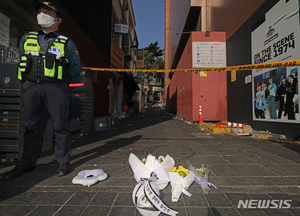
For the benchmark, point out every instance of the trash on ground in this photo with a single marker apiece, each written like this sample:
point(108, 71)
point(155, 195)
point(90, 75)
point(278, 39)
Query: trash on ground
point(9, 160)
point(282, 137)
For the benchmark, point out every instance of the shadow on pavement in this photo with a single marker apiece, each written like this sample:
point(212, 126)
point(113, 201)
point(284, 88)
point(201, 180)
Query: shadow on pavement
point(46, 167)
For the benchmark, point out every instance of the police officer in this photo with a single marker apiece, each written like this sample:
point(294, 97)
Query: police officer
point(48, 63)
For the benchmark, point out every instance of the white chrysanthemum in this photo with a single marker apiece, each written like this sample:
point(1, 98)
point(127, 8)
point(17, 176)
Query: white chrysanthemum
point(161, 158)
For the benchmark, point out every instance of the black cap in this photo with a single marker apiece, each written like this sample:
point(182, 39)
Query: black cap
point(37, 4)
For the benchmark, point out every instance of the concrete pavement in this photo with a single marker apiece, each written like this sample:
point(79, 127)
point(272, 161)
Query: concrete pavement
point(242, 167)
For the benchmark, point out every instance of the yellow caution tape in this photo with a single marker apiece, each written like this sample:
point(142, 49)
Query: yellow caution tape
point(230, 68)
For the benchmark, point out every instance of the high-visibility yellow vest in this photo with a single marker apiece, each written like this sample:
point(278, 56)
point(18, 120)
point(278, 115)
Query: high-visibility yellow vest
point(53, 66)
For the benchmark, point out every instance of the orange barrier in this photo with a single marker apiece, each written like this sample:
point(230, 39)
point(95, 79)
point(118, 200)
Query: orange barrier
point(229, 124)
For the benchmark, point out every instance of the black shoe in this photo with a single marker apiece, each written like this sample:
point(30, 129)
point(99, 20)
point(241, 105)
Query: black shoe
point(17, 171)
point(63, 169)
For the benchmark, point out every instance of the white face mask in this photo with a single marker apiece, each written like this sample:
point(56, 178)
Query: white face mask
point(45, 20)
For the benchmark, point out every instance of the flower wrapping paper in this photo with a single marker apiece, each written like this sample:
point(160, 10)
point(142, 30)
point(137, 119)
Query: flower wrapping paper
point(202, 181)
point(180, 184)
point(141, 170)
point(204, 186)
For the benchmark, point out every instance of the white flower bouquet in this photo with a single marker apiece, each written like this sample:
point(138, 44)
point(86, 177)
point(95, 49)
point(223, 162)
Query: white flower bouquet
point(201, 177)
point(143, 170)
point(181, 180)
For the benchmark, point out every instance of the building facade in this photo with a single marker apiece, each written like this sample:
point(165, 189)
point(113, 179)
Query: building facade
point(256, 32)
point(123, 55)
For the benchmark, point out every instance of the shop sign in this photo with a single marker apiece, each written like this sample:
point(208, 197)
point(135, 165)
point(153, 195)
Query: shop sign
point(121, 28)
point(116, 55)
point(140, 58)
point(140, 77)
point(208, 54)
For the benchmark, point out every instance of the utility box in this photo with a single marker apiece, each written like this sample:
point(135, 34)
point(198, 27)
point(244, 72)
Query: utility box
point(103, 123)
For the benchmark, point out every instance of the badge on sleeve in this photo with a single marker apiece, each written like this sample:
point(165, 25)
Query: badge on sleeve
point(76, 51)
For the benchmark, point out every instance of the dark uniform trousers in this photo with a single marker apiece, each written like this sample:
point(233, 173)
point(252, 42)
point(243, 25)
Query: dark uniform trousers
point(40, 99)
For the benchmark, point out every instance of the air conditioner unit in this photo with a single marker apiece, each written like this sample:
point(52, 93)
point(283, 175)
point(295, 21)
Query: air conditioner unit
point(126, 46)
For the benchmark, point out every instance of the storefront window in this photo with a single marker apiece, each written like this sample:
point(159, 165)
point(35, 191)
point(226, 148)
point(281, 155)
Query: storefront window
point(17, 17)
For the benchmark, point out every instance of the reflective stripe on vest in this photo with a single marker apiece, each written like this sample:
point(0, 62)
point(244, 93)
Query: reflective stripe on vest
point(31, 44)
point(22, 66)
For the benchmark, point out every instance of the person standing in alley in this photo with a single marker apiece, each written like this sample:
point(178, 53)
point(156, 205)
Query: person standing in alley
point(49, 61)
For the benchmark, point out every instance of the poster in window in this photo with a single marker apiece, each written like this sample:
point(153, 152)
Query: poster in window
point(276, 37)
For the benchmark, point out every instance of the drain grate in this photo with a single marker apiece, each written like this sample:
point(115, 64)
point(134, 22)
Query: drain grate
point(176, 152)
